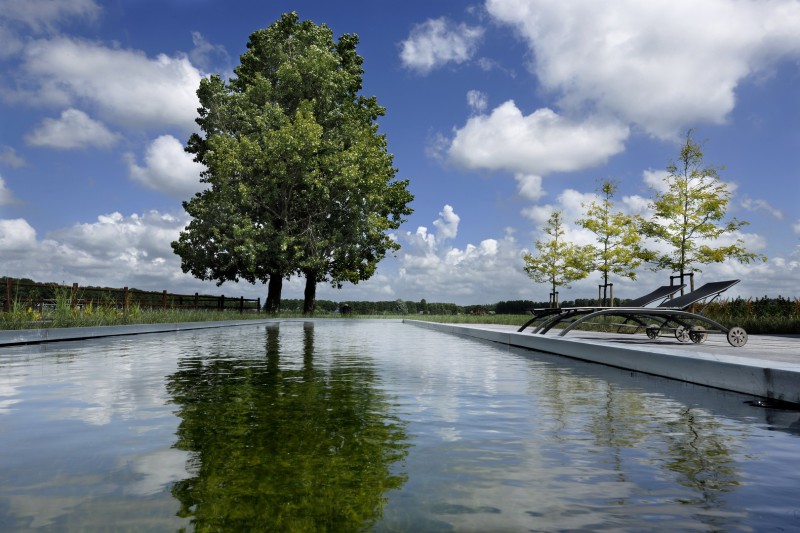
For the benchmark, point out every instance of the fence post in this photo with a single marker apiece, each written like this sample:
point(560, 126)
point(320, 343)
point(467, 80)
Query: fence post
point(241, 305)
point(222, 303)
point(125, 301)
point(258, 305)
point(74, 297)
point(196, 299)
point(7, 302)
point(164, 299)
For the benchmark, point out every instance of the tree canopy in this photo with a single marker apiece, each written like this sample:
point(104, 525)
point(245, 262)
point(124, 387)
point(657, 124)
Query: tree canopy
point(558, 262)
point(618, 250)
point(300, 181)
point(689, 212)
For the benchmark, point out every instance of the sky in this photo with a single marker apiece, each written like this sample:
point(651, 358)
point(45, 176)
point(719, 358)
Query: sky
point(498, 113)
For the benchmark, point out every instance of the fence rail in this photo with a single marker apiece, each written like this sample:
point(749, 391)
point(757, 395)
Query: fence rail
point(40, 296)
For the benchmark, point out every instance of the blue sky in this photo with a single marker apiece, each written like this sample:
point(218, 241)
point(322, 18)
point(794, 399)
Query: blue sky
point(497, 112)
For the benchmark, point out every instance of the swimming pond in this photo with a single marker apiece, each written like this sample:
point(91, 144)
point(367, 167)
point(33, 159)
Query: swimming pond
point(374, 425)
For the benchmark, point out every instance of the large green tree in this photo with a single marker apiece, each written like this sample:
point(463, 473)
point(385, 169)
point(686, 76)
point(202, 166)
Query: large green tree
point(618, 250)
point(300, 180)
point(689, 215)
point(558, 262)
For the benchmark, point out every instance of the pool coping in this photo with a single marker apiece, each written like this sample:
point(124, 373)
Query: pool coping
point(15, 337)
point(761, 374)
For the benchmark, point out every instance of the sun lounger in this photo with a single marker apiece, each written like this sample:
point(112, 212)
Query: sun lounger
point(671, 315)
point(564, 313)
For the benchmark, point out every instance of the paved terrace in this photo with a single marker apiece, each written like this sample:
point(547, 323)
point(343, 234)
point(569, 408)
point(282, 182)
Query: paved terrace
point(767, 366)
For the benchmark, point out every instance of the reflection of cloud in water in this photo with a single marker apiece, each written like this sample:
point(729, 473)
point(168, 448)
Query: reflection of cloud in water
point(8, 391)
point(119, 378)
point(158, 470)
point(41, 511)
point(456, 382)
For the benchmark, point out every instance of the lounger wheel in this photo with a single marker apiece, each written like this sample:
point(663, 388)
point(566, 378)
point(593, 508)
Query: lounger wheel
point(653, 331)
point(737, 336)
point(682, 334)
point(698, 334)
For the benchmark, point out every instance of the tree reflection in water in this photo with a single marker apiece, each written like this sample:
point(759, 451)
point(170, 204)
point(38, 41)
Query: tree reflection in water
point(282, 444)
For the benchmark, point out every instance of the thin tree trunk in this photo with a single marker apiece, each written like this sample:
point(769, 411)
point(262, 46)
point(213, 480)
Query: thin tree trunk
point(310, 302)
point(273, 303)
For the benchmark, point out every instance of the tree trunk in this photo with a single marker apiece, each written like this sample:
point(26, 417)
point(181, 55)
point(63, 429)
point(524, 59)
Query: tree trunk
point(310, 302)
point(273, 303)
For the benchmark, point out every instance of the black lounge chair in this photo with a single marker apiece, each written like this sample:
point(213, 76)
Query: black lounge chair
point(559, 314)
point(671, 315)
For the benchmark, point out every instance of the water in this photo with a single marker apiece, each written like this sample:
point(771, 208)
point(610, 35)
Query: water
point(377, 426)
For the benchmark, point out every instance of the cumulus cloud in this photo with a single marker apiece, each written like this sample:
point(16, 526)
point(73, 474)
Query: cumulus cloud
point(16, 235)
point(540, 143)
point(114, 251)
point(436, 42)
point(530, 186)
point(447, 224)
point(430, 268)
point(74, 129)
point(168, 168)
point(662, 65)
point(124, 87)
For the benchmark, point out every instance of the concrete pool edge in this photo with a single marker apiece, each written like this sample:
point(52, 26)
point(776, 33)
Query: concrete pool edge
point(777, 380)
point(43, 335)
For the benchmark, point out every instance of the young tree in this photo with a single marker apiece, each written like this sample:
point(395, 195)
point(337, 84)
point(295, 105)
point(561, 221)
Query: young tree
point(559, 262)
point(688, 215)
point(290, 150)
point(618, 251)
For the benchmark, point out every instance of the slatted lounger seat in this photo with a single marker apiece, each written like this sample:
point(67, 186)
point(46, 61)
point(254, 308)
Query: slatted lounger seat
point(560, 314)
point(671, 315)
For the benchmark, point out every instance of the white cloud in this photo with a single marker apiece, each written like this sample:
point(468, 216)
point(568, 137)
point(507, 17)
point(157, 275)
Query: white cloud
point(477, 101)
point(9, 156)
point(752, 204)
point(530, 186)
point(476, 273)
point(664, 64)
point(447, 224)
point(436, 42)
point(168, 168)
point(16, 235)
point(74, 129)
point(42, 15)
point(207, 55)
point(114, 251)
point(655, 179)
point(6, 198)
point(540, 143)
point(124, 87)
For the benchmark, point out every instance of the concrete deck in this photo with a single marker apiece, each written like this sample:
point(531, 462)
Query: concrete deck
point(767, 366)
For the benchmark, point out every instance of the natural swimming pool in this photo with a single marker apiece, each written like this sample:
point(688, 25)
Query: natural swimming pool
point(376, 425)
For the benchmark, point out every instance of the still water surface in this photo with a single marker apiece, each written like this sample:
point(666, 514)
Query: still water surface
point(378, 426)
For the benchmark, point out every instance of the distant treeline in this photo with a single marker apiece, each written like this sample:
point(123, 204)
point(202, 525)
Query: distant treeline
point(764, 307)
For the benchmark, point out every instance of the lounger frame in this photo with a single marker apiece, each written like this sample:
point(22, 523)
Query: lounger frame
point(670, 315)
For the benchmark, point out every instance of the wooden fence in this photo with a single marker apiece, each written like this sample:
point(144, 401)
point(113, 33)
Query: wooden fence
point(40, 296)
